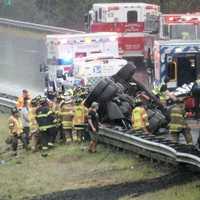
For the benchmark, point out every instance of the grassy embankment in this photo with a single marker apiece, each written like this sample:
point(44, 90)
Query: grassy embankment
point(69, 167)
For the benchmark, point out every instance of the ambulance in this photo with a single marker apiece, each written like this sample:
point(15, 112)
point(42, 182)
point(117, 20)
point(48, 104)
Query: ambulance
point(177, 53)
point(136, 23)
point(65, 53)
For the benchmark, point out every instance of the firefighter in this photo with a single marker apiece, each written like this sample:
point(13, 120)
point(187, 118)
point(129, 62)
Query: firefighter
point(93, 126)
point(20, 100)
point(140, 117)
point(15, 129)
point(53, 130)
point(45, 120)
point(79, 119)
point(178, 124)
point(67, 115)
point(34, 128)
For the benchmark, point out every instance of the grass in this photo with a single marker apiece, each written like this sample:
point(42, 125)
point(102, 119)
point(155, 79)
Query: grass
point(189, 191)
point(72, 167)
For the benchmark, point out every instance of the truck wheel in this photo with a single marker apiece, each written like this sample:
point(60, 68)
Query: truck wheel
point(109, 92)
point(98, 89)
point(126, 72)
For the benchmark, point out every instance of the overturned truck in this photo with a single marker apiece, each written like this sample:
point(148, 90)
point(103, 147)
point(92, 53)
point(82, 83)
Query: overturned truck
point(116, 97)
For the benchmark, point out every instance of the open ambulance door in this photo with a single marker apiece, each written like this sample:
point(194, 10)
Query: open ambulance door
point(198, 63)
point(172, 72)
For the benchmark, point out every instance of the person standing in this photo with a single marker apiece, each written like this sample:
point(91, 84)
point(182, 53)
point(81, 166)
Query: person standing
point(140, 118)
point(20, 100)
point(25, 122)
point(34, 129)
point(67, 115)
point(45, 120)
point(15, 129)
point(178, 124)
point(93, 126)
point(79, 120)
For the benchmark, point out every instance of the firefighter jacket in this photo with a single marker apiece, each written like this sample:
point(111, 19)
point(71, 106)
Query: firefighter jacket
point(45, 118)
point(15, 126)
point(33, 122)
point(67, 115)
point(80, 114)
point(177, 121)
point(139, 118)
point(20, 101)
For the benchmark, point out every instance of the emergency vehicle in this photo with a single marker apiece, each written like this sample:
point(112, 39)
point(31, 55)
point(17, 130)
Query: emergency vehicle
point(64, 52)
point(136, 23)
point(178, 60)
point(177, 56)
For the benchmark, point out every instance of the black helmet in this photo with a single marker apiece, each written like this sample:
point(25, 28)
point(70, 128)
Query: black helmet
point(14, 110)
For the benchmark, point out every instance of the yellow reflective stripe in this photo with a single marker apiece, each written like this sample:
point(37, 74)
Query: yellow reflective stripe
point(176, 115)
point(44, 115)
point(44, 128)
point(66, 113)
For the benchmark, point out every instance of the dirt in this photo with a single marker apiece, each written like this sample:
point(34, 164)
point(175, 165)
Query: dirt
point(116, 191)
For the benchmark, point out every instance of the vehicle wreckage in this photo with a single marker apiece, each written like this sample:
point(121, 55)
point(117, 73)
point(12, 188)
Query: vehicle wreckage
point(116, 96)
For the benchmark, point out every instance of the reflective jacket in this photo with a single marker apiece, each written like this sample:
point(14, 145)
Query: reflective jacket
point(33, 122)
point(66, 115)
point(15, 126)
point(20, 101)
point(80, 114)
point(45, 118)
point(177, 121)
point(139, 118)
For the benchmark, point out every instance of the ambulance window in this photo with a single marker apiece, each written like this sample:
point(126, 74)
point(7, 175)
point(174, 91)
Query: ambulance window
point(172, 70)
point(100, 14)
point(132, 16)
point(96, 16)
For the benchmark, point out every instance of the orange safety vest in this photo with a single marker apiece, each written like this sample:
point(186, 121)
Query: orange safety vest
point(139, 118)
point(20, 101)
point(15, 126)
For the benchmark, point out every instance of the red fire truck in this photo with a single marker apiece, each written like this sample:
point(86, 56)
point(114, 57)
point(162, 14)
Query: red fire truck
point(180, 26)
point(136, 23)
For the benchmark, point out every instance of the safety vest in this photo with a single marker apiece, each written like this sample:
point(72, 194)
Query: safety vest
point(139, 118)
point(177, 121)
point(79, 117)
point(45, 118)
point(33, 122)
point(67, 114)
point(15, 126)
point(20, 101)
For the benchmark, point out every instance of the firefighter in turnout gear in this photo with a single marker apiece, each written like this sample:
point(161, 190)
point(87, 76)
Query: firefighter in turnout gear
point(67, 115)
point(140, 117)
point(34, 129)
point(80, 114)
point(45, 119)
point(15, 129)
point(178, 124)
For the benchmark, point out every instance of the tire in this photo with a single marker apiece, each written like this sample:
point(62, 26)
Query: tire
point(98, 89)
point(114, 111)
point(108, 93)
point(126, 72)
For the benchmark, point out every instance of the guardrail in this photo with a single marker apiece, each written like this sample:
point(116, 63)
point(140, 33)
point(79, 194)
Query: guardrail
point(39, 27)
point(7, 101)
point(152, 146)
